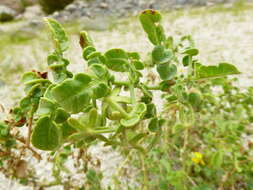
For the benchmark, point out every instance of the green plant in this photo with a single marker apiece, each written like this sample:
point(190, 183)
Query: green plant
point(50, 6)
point(193, 142)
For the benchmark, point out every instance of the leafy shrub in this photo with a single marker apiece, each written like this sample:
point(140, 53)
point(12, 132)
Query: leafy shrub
point(49, 6)
point(193, 143)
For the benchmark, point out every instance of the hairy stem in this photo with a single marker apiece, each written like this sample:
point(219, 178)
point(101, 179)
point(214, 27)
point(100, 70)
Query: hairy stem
point(117, 107)
point(121, 83)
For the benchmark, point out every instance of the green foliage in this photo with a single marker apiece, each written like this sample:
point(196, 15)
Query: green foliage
point(222, 69)
point(46, 135)
point(59, 35)
point(73, 94)
point(193, 142)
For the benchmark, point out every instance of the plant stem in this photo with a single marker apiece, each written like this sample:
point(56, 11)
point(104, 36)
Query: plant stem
point(132, 94)
point(29, 131)
point(121, 83)
point(144, 171)
point(156, 87)
point(116, 106)
point(36, 155)
point(104, 131)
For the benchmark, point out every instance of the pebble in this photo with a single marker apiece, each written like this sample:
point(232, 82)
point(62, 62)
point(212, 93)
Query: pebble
point(118, 8)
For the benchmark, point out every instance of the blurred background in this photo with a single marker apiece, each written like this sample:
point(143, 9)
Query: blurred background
point(222, 29)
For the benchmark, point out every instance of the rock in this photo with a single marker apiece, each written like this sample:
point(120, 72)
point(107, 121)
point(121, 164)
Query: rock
point(99, 23)
point(33, 12)
point(71, 8)
point(117, 8)
point(6, 13)
point(36, 24)
point(13, 4)
point(103, 5)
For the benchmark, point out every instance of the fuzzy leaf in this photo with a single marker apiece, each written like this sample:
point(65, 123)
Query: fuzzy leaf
point(87, 51)
point(223, 69)
point(161, 55)
point(153, 125)
point(59, 35)
point(131, 121)
point(61, 115)
point(46, 106)
point(85, 39)
point(150, 20)
point(66, 130)
point(116, 60)
point(100, 71)
point(186, 60)
point(191, 51)
point(167, 71)
point(46, 135)
point(194, 99)
point(99, 89)
point(135, 115)
point(138, 65)
point(73, 94)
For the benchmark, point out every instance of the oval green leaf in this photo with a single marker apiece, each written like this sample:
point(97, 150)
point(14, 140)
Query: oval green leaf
point(46, 136)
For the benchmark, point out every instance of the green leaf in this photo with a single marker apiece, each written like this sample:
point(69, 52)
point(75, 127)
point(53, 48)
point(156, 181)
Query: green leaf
point(167, 71)
point(59, 35)
point(87, 51)
point(73, 94)
point(153, 125)
point(46, 106)
point(223, 69)
point(58, 66)
point(4, 130)
point(135, 139)
point(29, 76)
point(161, 55)
point(67, 130)
point(136, 115)
point(100, 71)
point(191, 51)
point(194, 99)
point(85, 39)
point(131, 121)
point(46, 135)
point(216, 160)
point(138, 65)
point(186, 60)
point(61, 115)
point(150, 20)
point(151, 111)
point(116, 60)
point(99, 89)
point(95, 54)
point(134, 55)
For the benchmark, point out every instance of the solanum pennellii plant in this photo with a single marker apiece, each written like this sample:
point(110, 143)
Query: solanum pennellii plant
point(194, 143)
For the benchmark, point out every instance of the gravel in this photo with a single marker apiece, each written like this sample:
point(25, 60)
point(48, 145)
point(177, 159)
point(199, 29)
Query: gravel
point(119, 8)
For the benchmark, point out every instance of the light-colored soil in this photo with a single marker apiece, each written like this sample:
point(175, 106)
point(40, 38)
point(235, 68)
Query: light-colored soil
point(220, 36)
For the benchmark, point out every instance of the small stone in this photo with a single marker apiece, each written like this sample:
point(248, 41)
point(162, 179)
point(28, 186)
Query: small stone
point(6, 14)
point(71, 8)
point(103, 5)
point(32, 12)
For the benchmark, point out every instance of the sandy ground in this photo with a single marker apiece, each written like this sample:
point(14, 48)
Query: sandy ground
point(220, 36)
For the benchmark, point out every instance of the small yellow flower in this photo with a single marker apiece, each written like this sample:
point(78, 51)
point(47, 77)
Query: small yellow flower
point(198, 158)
